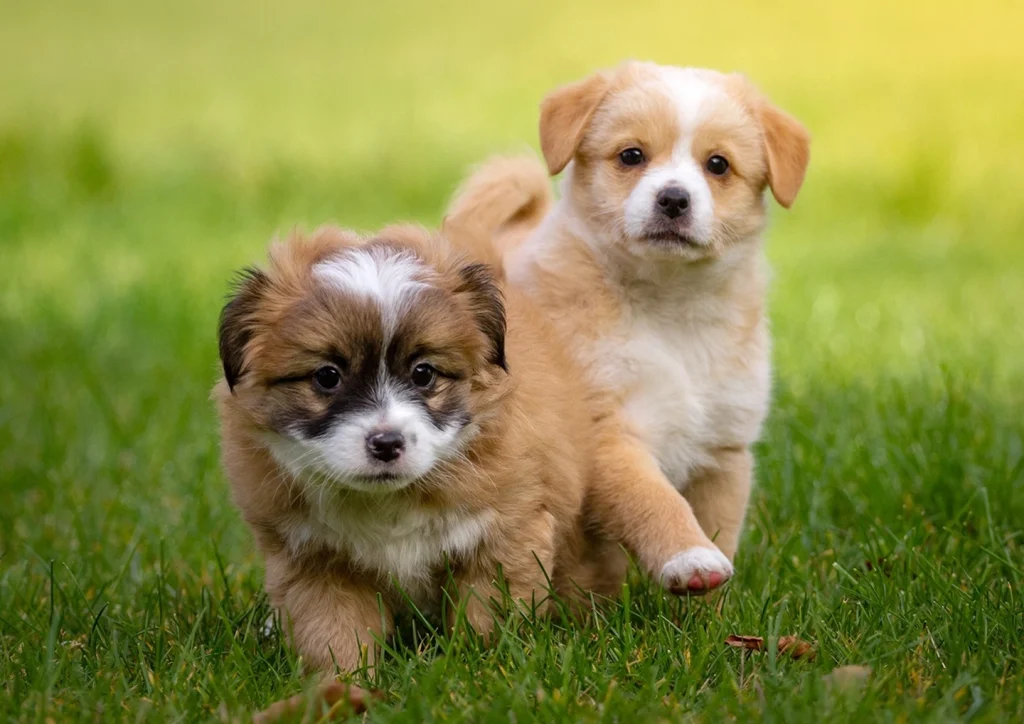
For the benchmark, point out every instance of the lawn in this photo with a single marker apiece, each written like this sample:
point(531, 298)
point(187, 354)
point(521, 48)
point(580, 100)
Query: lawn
point(148, 149)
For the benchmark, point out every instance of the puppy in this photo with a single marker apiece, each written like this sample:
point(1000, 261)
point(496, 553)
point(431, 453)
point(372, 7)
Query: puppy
point(651, 265)
point(379, 447)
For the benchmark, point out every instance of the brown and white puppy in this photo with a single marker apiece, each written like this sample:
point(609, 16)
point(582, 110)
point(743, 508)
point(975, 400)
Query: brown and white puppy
point(375, 439)
point(651, 265)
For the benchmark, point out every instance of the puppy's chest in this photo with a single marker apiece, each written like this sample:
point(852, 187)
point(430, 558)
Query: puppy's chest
point(686, 388)
point(407, 545)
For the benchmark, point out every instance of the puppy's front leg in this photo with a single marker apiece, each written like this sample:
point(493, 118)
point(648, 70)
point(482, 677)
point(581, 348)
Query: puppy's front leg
point(526, 563)
point(636, 505)
point(329, 618)
point(719, 497)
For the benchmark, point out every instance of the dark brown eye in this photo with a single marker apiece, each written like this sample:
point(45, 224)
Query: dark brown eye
point(423, 375)
point(717, 165)
point(632, 157)
point(327, 378)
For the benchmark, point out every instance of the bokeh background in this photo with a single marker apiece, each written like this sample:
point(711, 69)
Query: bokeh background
point(148, 149)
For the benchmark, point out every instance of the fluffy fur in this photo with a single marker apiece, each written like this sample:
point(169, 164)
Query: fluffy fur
point(651, 266)
point(496, 447)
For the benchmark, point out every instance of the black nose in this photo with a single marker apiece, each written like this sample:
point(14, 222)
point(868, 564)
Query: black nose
point(673, 201)
point(385, 446)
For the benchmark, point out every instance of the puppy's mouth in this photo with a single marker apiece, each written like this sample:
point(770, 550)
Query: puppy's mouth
point(381, 480)
point(679, 236)
point(381, 477)
point(669, 237)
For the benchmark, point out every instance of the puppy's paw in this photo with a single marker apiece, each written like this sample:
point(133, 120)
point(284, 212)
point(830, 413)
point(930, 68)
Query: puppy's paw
point(696, 571)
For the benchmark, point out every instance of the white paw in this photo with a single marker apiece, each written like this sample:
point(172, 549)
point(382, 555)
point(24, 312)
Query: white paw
point(706, 566)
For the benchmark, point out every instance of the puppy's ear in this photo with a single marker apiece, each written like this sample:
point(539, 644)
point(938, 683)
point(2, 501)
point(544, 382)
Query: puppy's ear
point(788, 146)
point(564, 115)
point(236, 322)
point(486, 302)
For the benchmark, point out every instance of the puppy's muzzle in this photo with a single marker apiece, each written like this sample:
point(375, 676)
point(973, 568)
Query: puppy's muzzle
point(385, 445)
point(673, 201)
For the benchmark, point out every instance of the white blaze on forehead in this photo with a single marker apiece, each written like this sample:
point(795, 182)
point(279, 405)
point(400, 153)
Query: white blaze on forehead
point(389, 278)
point(694, 93)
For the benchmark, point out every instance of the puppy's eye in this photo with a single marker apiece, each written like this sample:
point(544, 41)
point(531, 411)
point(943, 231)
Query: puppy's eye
point(717, 165)
point(632, 157)
point(327, 378)
point(423, 375)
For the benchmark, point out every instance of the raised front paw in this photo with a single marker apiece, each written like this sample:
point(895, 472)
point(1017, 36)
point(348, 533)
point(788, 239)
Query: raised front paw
point(696, 571)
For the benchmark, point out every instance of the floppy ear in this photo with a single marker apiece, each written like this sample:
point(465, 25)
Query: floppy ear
point(488, 306)
point(788, 146)
point(236, 323)
point(564, 115)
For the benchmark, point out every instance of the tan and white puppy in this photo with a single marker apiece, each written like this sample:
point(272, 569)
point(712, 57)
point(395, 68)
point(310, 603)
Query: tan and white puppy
point(651, 265)
point(375, 439)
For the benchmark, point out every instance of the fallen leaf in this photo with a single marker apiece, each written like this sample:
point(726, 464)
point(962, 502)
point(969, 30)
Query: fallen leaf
point(340, 699)
point(796, 648)
point(847, 678)
point(752, 643)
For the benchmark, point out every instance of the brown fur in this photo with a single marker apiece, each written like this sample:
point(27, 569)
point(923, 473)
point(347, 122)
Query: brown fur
point(564, 116)
point(517, 195)
point(528, 464)
point(788, 147)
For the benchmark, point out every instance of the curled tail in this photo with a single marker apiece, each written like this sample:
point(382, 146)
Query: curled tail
point(498, 206)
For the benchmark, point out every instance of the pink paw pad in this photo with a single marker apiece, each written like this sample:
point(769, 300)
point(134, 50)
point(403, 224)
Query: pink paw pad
point(715, 579)
point(696, 571)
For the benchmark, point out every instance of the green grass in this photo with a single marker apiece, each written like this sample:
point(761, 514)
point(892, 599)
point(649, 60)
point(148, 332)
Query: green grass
point(146, 152)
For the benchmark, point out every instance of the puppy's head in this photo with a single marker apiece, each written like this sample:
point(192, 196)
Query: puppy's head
point(672, 160)
point(364, 363)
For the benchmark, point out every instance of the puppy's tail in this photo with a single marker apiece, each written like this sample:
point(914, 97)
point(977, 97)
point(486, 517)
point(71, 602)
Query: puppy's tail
point(498, 206)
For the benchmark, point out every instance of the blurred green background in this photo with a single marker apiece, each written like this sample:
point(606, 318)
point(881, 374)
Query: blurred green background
point(148, 149)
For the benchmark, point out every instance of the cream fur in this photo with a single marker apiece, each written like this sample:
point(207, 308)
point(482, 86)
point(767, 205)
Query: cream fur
point(673, 336)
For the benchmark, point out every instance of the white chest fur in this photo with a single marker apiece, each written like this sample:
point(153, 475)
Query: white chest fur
point(686, 383)
point(407, 544)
